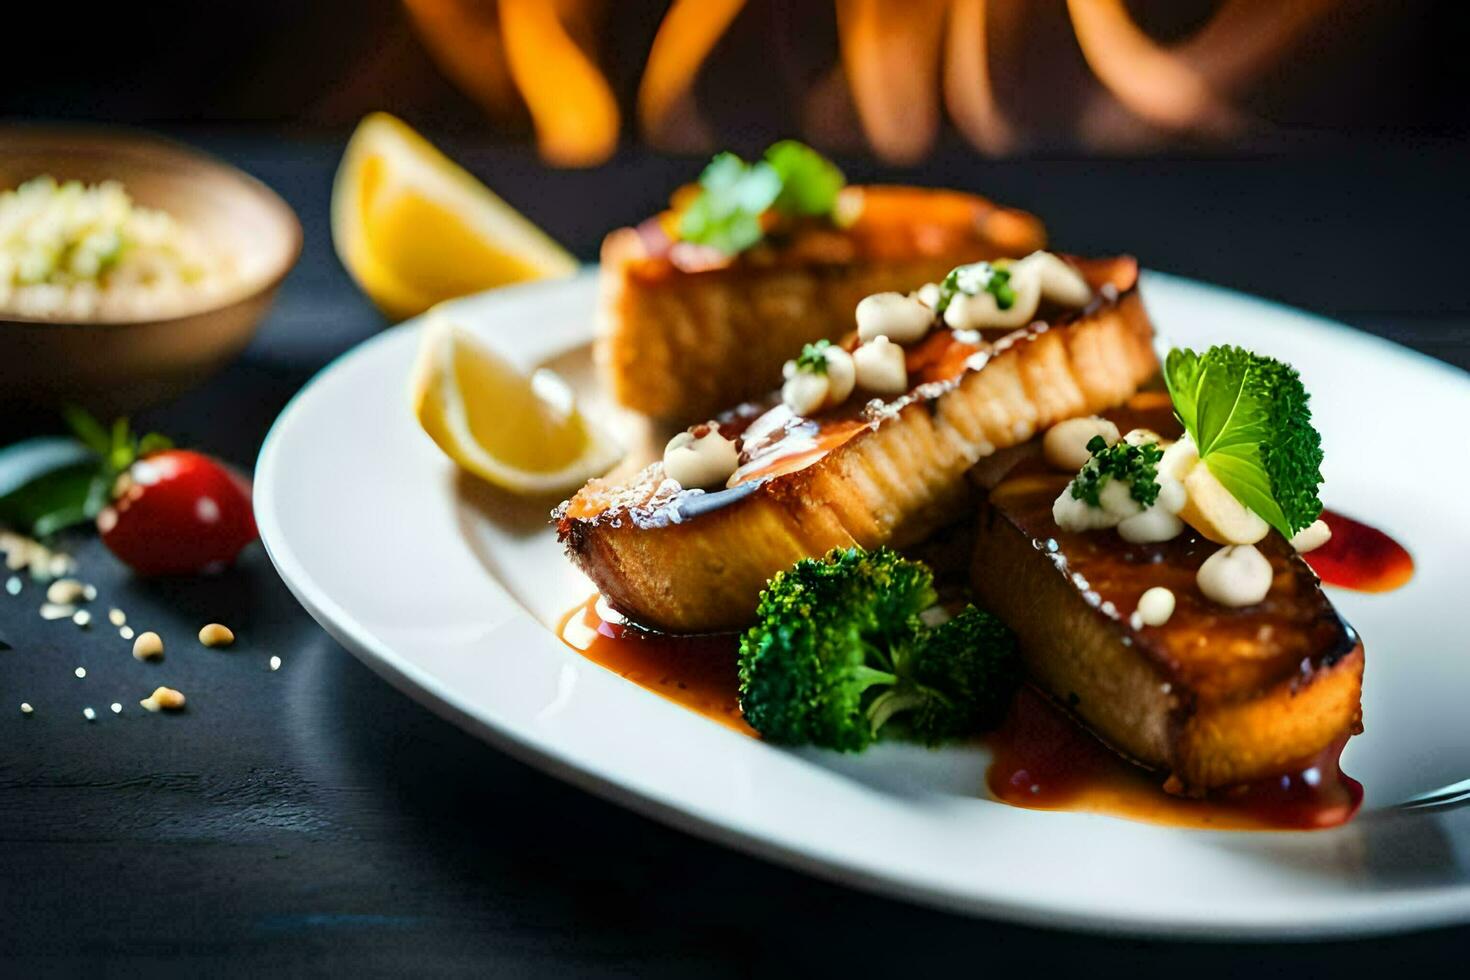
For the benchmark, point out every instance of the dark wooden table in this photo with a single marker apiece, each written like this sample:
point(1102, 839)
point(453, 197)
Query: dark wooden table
point(317, 820)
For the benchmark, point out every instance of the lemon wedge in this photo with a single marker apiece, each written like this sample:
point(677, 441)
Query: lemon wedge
point(414, 228)
point(521, 432)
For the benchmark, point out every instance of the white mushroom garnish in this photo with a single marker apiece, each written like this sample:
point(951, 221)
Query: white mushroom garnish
point(1060, 282)
point(880, 367)
point(701, 458)
point(804, 392)
point(982, 309)
point(1065, 444)
point(823, 376)
point(902, 319)
point(841, 374)
point(1155, 606)
point(1311, 537)
point(1236, 575)
point(1006, 295)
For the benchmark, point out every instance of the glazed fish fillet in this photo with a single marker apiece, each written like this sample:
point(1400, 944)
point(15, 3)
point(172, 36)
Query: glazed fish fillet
point(1216, 696)
point(681, 337)
point(870, 475)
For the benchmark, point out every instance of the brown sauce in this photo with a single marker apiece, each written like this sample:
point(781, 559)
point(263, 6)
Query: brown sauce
point(1041, 759)
point(696, 672)
point(1360, 557)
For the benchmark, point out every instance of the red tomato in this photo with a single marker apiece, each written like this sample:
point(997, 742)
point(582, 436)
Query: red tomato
point(178, 512)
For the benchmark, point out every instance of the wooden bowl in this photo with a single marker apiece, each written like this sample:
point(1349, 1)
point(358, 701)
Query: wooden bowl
point(117, 365)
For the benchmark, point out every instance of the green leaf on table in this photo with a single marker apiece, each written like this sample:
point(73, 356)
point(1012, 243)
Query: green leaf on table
point(48, 483)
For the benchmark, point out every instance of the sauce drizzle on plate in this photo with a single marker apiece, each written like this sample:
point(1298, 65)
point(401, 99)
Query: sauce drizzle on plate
point(696, 672)
point(1360, 557)
point(1041, 759)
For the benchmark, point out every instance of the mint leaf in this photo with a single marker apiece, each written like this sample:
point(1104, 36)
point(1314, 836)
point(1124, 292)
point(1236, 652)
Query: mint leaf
point(793, 180)
point(809, 181)
point(1249, 417)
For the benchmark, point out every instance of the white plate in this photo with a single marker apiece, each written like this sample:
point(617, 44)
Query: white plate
point(452, 592)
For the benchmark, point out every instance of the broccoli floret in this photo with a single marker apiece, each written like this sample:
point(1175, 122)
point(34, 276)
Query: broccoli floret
point(839, 651)
point(966, 670)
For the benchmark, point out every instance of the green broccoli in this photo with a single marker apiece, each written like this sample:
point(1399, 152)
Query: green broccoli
point(839, 651)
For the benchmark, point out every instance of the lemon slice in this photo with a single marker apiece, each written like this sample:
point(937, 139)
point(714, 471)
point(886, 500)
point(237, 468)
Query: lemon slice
point(413, 228)
point(522, 433)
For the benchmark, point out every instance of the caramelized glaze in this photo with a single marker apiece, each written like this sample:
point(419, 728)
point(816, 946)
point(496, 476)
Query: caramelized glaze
point(894, 224)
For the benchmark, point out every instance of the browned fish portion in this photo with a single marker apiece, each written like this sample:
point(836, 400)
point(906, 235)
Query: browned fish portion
point(684, 334)
point(1214, 697)
point(687, 561)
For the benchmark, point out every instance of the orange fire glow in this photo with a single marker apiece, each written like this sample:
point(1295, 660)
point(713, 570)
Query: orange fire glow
point(898, 58)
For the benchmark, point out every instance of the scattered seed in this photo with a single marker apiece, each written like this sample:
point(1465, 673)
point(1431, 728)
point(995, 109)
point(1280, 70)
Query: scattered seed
point(215, 635)
point(64, 591)
point(82, 618)
point(148, 646)
point(80, 672)
point(126, 632)
point(89, 714)
point(116, 708)
point(51, 610)
point(57, 565)
point(25, 708)
point(13, 585)
point(163, 699)
point(275, 663)
point(116, 617)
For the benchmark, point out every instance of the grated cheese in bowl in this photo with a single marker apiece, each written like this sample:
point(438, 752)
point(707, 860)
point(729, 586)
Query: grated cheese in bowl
point(72, 251)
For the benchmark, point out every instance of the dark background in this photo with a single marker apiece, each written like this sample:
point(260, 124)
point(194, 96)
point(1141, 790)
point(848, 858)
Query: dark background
point(314, 819)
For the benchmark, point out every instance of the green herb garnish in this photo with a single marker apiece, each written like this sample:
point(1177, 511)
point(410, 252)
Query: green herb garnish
point(813, 357)
point(974, 279)
point(1138, 466)
point(1248, 416)
point(792, 180)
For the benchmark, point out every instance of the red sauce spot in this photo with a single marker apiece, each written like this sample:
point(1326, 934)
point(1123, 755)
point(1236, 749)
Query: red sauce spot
point(697, 672)
point(1044, 761)
point(1360, 557)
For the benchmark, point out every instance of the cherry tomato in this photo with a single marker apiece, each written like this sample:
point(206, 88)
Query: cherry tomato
point(178, 512)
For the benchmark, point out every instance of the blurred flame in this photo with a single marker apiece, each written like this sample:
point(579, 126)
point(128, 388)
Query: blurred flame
point(890, 49)
point(967, 86)
point(897, 57)
point(688, 32)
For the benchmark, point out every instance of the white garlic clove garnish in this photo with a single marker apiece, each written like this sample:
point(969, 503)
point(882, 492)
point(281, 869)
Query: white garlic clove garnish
point(1311, 537)
point(805, 392)
point(1059, 282)
point(1065, 444)
point(701, 458)
point(982, 310)
point(1236, 575)
point(880, 367)
point(841, 375)
point(902, 319)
